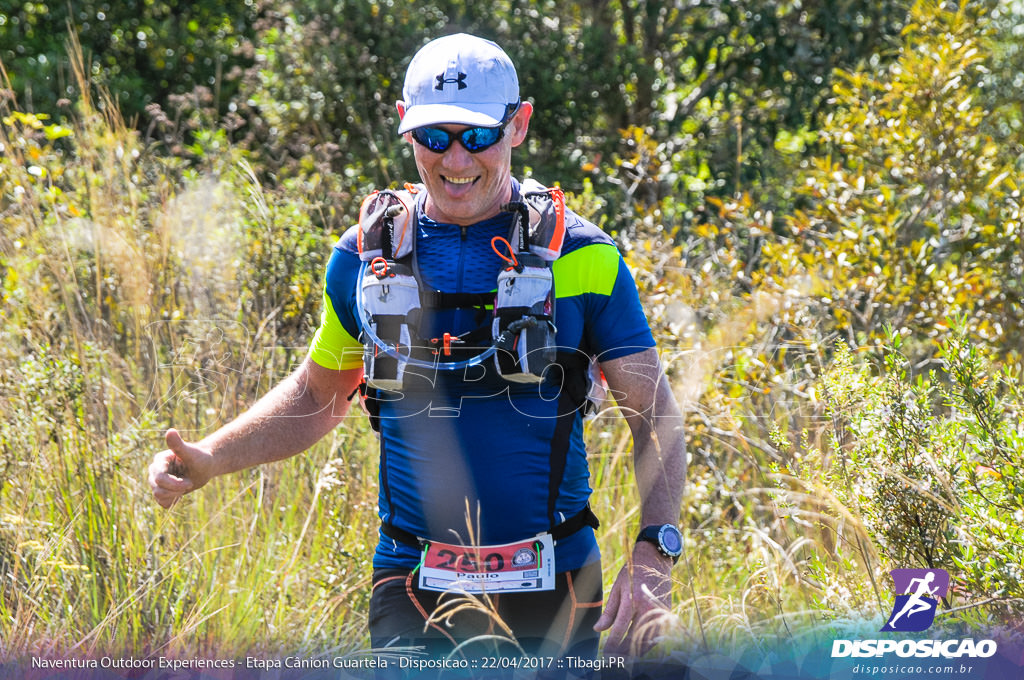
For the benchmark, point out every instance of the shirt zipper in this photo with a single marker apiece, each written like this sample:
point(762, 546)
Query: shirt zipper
point(463, 237)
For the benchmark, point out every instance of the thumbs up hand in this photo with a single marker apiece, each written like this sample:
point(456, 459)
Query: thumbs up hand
point(178, 470)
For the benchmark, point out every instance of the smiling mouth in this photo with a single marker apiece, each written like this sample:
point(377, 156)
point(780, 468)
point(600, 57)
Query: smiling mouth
point(459, 180)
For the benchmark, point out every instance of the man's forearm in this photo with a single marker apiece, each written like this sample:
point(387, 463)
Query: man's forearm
point(660, 458)
point(646, 401)
point(289, 419)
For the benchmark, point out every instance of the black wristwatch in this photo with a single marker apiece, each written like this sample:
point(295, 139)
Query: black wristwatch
point(667, 539)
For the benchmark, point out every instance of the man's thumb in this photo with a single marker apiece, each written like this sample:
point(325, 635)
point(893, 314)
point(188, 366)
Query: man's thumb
point(179, 448)
point(611, 608)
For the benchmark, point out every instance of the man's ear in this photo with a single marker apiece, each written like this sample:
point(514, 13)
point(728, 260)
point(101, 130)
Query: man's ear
point(520, 123)
point(400, 105)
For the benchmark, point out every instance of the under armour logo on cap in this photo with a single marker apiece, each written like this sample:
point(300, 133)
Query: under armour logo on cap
point(441, 81)
point(485, 81)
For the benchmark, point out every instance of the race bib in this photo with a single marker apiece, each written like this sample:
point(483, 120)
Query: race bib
point(523, 566)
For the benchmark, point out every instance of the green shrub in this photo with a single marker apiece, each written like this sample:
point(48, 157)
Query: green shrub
point(927, 465)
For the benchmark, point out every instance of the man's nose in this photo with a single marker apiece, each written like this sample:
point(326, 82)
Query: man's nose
point(456, 156)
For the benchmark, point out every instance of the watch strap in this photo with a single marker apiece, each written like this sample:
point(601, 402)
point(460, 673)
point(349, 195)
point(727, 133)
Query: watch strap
point(652, 534)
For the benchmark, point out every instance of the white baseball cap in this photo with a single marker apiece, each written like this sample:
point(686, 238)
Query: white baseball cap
point(459, 79)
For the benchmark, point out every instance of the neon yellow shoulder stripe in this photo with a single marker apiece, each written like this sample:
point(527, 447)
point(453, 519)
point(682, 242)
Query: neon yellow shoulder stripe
point(591, 269)
point(332, 346)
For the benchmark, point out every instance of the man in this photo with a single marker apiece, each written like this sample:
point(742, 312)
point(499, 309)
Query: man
point(482, 474)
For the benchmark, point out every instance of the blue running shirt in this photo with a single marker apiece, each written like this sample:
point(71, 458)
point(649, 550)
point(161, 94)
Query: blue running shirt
point(466, 447)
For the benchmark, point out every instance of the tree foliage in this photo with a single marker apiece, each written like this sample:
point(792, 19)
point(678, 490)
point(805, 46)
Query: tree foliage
point(310, 85)
point(913, 213)
point(141, 51)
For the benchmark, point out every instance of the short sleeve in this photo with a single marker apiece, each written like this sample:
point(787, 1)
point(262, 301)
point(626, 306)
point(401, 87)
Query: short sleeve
point(614, 323)
point(335, 344)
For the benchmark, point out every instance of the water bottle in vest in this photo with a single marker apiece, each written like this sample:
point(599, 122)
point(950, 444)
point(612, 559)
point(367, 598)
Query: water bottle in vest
point(522, 326)
point(391, 298)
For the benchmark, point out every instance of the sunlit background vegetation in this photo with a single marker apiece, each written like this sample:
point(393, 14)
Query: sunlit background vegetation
point(820, 202)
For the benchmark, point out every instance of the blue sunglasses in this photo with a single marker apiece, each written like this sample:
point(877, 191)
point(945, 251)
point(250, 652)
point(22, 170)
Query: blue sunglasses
point(473, 140)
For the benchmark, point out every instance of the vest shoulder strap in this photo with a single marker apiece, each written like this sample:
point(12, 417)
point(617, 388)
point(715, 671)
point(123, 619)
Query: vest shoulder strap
point(387, 223)
point(546, 209)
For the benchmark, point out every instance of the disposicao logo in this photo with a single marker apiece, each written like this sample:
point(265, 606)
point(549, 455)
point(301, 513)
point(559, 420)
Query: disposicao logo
point(918, 594)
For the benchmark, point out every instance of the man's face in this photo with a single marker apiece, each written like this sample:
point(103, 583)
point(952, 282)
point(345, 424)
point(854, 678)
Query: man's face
point(462, 187)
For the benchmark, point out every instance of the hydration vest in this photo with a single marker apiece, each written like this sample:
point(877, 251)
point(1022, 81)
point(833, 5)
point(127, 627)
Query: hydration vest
point(520, 338)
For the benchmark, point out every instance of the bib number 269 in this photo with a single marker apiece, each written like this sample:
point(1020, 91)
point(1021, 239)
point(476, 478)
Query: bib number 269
point(523, 566)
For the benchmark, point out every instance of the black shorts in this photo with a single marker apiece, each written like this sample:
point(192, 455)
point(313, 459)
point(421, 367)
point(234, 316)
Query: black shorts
point(557, 622)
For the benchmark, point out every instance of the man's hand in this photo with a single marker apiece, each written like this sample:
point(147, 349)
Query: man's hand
point(178, 470)
point(641, 593)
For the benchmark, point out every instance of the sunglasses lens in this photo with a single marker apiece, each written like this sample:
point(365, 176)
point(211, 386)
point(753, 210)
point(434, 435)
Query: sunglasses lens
point(474, 139)
point(435, 139)
point(479, 138)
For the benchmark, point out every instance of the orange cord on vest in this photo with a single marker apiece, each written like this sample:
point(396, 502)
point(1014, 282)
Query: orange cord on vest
point(379, 266)
point(511, 258)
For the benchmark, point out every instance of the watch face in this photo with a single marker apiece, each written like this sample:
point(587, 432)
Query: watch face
point(670, 540)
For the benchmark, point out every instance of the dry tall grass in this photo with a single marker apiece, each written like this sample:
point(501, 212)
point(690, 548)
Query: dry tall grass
point(122, 313)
